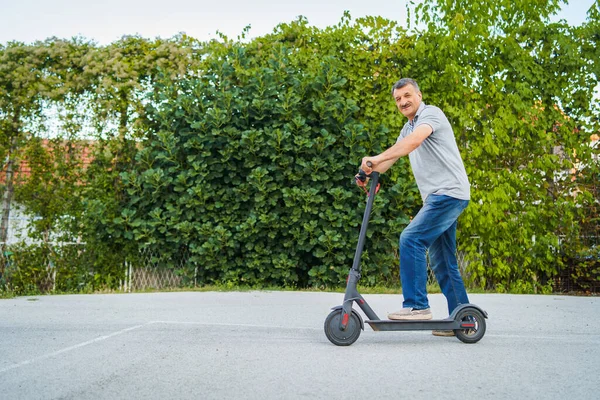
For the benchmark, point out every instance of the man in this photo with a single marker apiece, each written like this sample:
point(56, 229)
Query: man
point(427, 138)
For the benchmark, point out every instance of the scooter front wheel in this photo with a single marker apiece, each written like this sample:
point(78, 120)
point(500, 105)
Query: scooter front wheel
point(340, 337)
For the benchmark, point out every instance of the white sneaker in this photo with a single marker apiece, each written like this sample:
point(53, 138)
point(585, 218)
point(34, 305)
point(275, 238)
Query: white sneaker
point(411, 314)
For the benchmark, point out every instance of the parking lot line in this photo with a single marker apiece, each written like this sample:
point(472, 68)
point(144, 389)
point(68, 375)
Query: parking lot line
point(70, 348)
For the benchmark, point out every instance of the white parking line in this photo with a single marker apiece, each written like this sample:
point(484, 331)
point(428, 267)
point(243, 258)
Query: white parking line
point(101, 338)
point(235, 325)
point(67, 349)
point(574, 338)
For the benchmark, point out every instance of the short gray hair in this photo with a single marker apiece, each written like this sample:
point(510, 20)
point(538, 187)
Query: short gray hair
point(403, 82)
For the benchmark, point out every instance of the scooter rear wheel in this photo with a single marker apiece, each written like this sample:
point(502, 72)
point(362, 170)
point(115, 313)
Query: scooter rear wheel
point(338, 336)
point(474, 334)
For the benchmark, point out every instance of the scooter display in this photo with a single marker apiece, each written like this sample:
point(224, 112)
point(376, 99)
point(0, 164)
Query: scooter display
point(344, 324)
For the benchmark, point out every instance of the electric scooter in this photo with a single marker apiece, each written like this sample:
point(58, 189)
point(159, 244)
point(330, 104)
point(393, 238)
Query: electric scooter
point(344, 324)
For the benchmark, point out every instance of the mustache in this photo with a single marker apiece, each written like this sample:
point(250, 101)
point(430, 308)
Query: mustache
point(406, 105)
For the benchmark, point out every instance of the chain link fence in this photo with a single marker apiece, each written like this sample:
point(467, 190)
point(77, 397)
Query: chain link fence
point(581, 271)
point(67, 267)
point(149, 273)
point(71, 267)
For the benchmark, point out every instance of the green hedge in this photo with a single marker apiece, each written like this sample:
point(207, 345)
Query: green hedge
point(249, 162)
point(241, 153)
point(250, 166)
point(38, 268)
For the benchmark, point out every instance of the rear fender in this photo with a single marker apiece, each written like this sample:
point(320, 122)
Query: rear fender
point(466, 306)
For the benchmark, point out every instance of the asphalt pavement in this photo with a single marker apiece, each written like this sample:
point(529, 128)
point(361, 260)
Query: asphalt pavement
point(271, 345)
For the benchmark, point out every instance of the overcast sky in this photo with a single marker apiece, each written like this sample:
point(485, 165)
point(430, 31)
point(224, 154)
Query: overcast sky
point(106, 21)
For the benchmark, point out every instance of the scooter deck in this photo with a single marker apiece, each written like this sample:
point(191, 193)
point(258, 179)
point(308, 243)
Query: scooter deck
point(418, 325)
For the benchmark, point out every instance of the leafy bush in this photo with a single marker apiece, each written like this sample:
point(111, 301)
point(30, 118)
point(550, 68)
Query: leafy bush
point(33, 269)
point(250, 166)
point(232, 161)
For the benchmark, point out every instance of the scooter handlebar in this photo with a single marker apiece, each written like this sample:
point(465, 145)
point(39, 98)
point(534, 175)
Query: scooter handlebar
point(363, 176)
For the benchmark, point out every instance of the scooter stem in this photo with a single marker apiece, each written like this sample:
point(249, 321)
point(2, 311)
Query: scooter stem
point(351, 293)
point(365, 222)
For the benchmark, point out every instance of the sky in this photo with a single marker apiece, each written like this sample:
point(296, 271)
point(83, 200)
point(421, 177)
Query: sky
point(108, 20)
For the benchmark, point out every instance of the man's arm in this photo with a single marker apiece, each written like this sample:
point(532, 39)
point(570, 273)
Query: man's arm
point(404, 146)
point(384, 166)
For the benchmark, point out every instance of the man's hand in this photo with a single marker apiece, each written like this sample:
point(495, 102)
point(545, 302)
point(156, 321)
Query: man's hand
point(368, 164)
point(359, 180)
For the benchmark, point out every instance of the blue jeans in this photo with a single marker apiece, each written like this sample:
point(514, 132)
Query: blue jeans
point(433, 228)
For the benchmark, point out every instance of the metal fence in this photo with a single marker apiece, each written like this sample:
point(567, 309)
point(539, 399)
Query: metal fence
point(51, 273)
point(147, 273)
point(48, 269)
point(52, 268)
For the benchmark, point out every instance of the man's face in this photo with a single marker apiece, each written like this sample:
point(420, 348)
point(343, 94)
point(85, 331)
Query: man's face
point(408, 100)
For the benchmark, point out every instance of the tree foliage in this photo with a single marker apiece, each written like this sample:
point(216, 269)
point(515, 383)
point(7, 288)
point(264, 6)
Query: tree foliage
point(525, 104)
point(239, 154)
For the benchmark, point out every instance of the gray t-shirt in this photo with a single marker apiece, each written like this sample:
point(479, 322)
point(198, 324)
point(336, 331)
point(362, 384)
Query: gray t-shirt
point(436, 163)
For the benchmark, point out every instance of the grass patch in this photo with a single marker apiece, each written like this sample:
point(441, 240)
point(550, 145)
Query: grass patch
point(378, 289)
point(5, 294)
point(395, 289)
